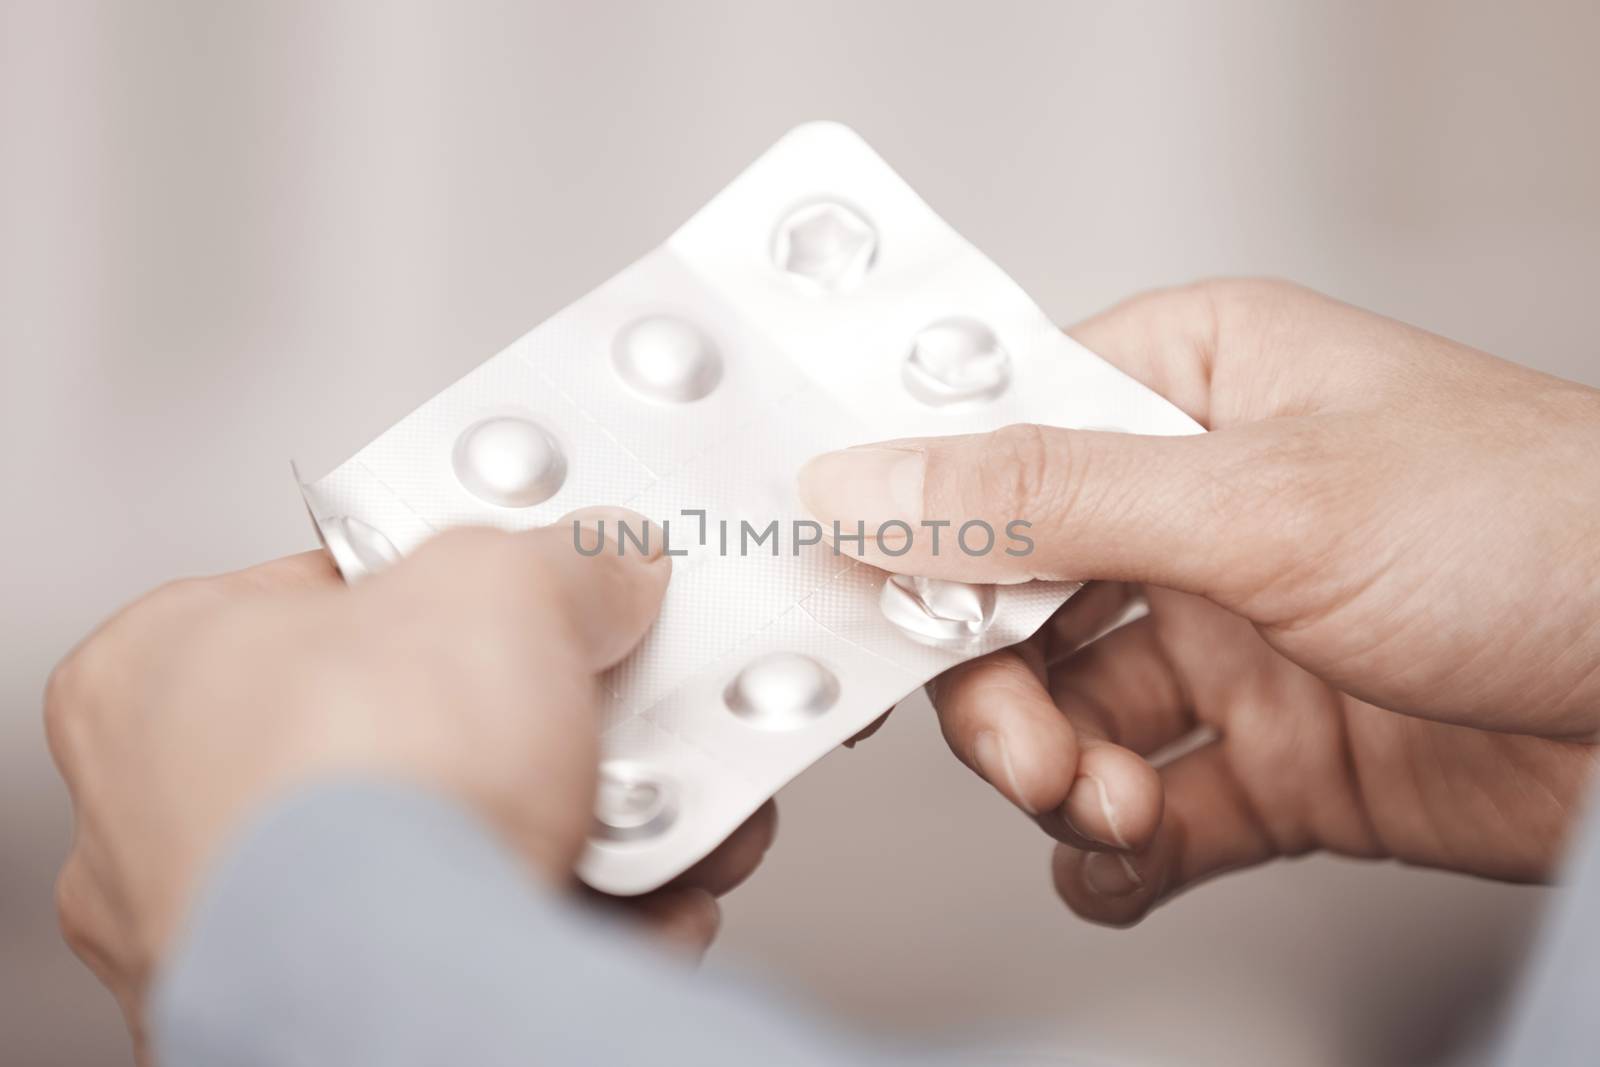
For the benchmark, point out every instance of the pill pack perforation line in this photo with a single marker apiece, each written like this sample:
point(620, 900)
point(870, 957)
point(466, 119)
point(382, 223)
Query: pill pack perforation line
point(390, 489)
point(816, 302)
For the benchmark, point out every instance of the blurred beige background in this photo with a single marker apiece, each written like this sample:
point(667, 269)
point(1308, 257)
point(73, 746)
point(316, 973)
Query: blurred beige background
point(235, 233)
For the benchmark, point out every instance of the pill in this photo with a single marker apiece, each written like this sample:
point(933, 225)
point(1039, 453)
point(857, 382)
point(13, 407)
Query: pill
point(509, 461)
point(358, 548)
point(936, 611)
point(631, 804)
point(956, 361)
point(667, 359)
point(826, 245)
point(781, 691)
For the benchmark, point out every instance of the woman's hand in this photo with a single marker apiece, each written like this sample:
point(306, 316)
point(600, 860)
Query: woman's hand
point(469, 668)
point(1377, 581)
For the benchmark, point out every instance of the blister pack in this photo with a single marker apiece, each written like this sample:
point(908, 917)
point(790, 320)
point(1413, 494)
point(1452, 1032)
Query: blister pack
point(813, 304)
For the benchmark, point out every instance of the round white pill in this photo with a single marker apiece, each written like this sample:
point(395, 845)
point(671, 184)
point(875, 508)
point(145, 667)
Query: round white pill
point(781, 691)
point(956, 361)
point(664, 358)
point(631, 804)
point(935, 611)
point(826, 245)
point(509, 461)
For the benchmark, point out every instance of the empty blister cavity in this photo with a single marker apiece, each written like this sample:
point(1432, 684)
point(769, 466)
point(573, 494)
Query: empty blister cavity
point(956, 361)
point(825, 244)
point(510, 461)
point(358, 548)
point(782, 691)
point(936, 611)
point(667, 359)
point(631, 804)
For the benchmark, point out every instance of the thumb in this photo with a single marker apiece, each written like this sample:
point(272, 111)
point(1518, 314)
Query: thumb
point(1032, 501)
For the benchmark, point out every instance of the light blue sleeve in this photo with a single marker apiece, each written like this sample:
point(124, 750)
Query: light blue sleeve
point(1556, 1021)
point(365, 924)
point(361, 925)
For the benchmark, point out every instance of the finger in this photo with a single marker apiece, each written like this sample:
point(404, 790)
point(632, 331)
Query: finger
point(598, 574)
point(1041, 502)
point(85, 921)
point(303, 570)
point(999, 720)
point(867, 731)
point(684, 919)
point(1094, 610)
point(1166, 339)
point(1115, 800)
point(1125, 702)
point(684, 912)
point(1125, 689)
point(615, 595)
point(1208, 827)
point(1235, 350)
point(735, 859)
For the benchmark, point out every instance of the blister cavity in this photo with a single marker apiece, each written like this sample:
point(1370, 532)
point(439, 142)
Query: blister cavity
point(667, 359)
point(826, 245)
point(782, 691)
point(956, 361)
point(633, 804)
point(936, 611)
point(358, 549)
point(509, 461)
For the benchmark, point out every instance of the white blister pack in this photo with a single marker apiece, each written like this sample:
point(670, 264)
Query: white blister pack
point(813, 304)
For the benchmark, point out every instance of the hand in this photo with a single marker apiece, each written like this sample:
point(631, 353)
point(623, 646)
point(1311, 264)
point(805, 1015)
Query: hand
point(1376, 582)
point(469, 668)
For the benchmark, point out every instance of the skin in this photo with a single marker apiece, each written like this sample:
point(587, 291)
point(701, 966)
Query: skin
point(469, 668)
point(1373, 588)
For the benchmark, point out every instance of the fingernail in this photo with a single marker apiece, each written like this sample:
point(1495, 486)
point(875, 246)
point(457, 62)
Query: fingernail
point(994, 760)
point(1110, 874)
point(625, 533)
point(704, 902)
point(1087, 804)
point(874, 483)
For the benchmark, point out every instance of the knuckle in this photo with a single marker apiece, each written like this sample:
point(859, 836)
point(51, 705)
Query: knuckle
point(1018, 472)
point(1231, 310)
point(64, 699)
point(1316, 524)
point(177, 588)
point(61, 687)
point(71, 911)
point(1247, 312)
point(176, 591)
point(1234, 294)
point(1297, 473)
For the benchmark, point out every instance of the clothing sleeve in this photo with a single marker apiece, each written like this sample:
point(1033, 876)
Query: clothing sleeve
point(363, 924)
point(1556, 1021)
